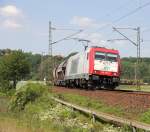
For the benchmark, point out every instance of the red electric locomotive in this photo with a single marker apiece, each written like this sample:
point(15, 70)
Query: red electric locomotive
point(95, 67)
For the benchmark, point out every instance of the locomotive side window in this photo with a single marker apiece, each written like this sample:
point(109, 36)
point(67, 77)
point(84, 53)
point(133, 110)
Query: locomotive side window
point(99, 56)
point(112, 57)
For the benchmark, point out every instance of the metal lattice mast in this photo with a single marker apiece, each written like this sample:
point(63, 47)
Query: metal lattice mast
point(50, 39)
point(50, 51)
point(138, 45)
point(138, 57)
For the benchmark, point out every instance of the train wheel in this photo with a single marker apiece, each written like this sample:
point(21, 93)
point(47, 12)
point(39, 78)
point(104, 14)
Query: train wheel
point(90, 86)
point(110, 86)
point(99, 87)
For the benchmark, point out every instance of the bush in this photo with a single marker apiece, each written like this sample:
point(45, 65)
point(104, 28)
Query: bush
point(27, 93)
point(5, 86)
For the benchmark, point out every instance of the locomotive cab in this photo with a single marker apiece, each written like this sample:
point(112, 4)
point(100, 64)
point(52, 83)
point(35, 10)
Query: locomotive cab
point(105, 67)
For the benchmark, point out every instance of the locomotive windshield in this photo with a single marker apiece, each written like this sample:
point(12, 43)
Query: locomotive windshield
point(112, 57)
point(100, 56)
point(106, 56)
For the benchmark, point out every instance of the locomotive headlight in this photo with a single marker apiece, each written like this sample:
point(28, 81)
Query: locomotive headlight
point(114, 74)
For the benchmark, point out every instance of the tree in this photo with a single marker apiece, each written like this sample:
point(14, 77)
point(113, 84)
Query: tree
point(127, 70)
point(14, 67)
point(47, 65)
point(35, 60)
point(4, 51)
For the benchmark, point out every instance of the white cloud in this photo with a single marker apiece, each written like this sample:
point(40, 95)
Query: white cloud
point(96, 39)
point(83, 21)
point(11, 17)
point(10, 11)
point(11, 24)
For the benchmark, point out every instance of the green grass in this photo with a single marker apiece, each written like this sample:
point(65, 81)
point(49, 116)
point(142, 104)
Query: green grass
point(63, 119)
point(2, 94)
point(145, 117)
point(101, 107)
point(90, 103)
point(58, 115)
point(12, 125)
point(145, 88)
point(44, 115)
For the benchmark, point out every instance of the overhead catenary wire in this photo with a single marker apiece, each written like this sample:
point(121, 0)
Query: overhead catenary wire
point(119, 8)
point(132, 12)
point(65, 38)
point(68, 29)
point(121, 18)
point(104, 26)
point(125, 16)
point(112, 12)
point(109, 14)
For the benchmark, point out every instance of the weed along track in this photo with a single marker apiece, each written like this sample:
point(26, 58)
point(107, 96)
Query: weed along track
point(106, 117)
point(132, 102)
point(115, 107)
point(44, 113)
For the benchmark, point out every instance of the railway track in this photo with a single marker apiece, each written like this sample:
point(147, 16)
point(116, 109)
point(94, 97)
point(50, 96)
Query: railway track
point(138, 92)
point(130, 101)
point(133, 103)
point(127, 91)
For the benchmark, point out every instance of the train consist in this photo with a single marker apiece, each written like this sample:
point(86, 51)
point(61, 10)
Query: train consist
point(96, 67)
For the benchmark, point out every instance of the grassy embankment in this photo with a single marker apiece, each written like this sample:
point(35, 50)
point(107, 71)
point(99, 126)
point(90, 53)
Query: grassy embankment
point(30, 109)
point(102, 107)
point(89, 103)
point(143, 117)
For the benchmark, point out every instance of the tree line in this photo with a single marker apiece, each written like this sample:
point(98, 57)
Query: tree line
point(129, 66)
point(16, 65)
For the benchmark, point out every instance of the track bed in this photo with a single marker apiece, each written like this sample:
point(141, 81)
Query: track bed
point(136, 102)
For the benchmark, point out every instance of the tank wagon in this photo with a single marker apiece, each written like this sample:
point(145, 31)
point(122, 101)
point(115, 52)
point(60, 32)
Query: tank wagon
point(95, 67)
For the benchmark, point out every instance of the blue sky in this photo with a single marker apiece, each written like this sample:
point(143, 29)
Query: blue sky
point(24, 24)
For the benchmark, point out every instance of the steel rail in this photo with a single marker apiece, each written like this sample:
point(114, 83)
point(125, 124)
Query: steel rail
point(115, 90)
